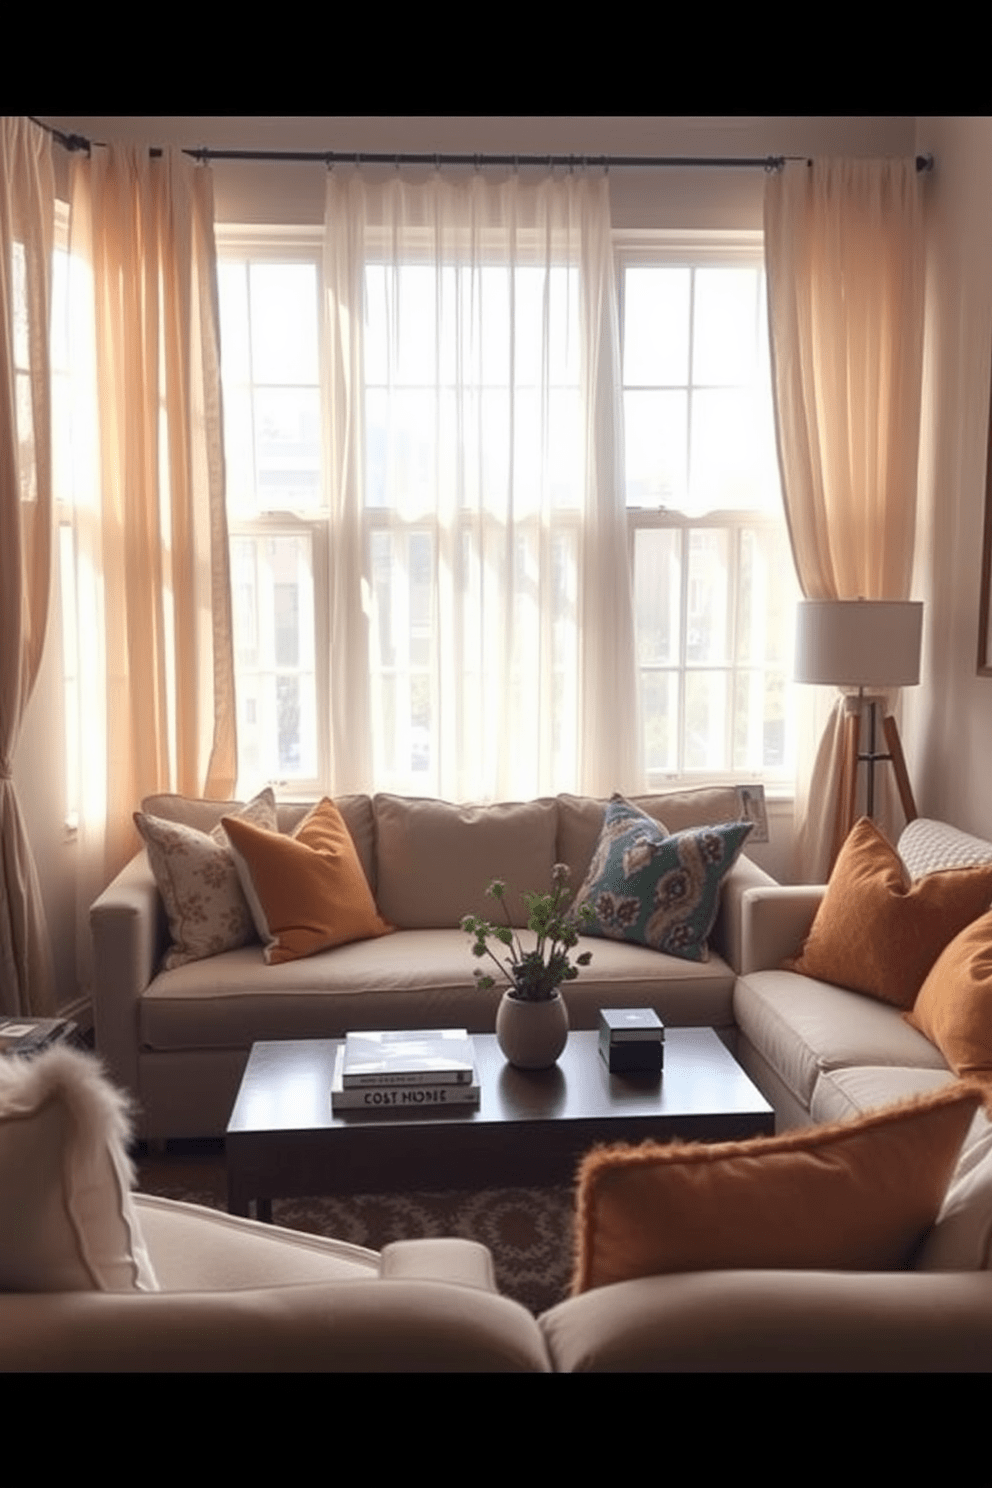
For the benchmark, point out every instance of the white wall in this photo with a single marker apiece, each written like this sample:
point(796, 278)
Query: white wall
point(678, 197)
point(949, 717)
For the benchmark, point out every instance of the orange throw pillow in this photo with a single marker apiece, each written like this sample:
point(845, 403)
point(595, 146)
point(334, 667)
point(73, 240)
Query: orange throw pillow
point(855, 1195)
point(954, 1008)
point(878, 931)
point(306, 892)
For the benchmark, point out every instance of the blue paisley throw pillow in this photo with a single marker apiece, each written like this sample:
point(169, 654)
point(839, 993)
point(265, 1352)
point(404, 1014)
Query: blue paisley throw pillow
point(658, 890)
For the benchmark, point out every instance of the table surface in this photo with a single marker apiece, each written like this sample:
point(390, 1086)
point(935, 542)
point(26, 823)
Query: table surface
point(530, 1126)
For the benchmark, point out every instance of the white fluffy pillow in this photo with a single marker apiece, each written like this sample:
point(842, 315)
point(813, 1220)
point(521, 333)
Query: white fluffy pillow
point(67, 1222)
point(199, 884)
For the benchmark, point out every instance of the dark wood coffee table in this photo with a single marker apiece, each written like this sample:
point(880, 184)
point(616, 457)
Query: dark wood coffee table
point(530, 1128)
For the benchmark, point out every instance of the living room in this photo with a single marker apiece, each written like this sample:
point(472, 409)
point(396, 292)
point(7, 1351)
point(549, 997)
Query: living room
point(945, 720)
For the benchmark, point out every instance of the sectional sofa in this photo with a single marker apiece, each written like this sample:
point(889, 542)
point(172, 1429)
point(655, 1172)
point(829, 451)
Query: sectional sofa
point(178, 1036)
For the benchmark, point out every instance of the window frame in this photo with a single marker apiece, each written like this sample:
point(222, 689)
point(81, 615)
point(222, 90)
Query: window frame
point(643, 248)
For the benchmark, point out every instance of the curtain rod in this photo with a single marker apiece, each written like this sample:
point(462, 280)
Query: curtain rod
point(439, 158)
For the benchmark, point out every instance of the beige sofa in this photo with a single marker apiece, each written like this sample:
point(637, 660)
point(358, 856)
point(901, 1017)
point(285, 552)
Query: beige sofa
point(819, 1053)
point(235, 1295)
point(178, 1039)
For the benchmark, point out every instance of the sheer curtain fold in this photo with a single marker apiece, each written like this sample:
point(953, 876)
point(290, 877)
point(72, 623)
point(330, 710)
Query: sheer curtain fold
point(843, 255)
point(156, 649)
point(481, 623)
point(27, 217)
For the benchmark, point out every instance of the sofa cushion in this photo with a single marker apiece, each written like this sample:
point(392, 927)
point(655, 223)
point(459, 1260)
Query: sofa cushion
point(656, 889)
point(954, 1008)
point(436, 860)
point(851, 1196)
point(877, 931)
point(204, 903)
point(307, 892)
point(801, 1026)
point(66, 1214)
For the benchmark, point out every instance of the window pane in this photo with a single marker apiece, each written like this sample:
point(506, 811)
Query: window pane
point(707, 610)
point(724, 326)
point(287, 448)
point(284, 318)
point(706, 721)
point(656, 326)
point(660, 713)
point(655, 446)
point(272, 591)
point(732, 453)
point(657, 594)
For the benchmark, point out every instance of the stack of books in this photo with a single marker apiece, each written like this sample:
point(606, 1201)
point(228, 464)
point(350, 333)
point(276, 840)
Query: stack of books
point(417, 1070)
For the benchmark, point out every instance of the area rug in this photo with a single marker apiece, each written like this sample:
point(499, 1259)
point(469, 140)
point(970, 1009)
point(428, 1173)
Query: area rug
point(528, 1230)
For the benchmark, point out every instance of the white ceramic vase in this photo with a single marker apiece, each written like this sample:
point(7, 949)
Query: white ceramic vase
point(531, 1034)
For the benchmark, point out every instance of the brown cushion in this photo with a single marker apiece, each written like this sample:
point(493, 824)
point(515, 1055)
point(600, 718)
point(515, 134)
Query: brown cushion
point(858, 1195)
point(954, 1008)
point(307, 892)
point(879, 932)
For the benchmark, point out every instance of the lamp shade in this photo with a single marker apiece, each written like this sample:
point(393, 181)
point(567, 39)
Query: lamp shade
point(859, 642)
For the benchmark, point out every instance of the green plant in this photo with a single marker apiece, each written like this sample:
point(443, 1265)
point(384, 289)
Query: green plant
point(534, 975)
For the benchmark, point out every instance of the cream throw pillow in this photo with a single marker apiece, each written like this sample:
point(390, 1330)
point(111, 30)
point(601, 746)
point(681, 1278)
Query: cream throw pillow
point(199, 884)
point(67, 1222)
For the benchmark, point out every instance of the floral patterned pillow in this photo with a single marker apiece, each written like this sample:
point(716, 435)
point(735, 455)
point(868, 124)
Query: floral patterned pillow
point(658, 890)
point(206, 908)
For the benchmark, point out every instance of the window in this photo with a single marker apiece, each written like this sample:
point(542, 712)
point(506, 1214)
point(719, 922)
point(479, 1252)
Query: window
point(713, 577)
point(712, 572)
point(270, 325)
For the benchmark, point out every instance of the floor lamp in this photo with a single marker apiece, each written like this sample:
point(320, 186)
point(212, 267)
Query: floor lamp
point(871, 645)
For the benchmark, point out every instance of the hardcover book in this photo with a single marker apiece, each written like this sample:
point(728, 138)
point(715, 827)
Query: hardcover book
point(427, 1056)
point(415, 1097)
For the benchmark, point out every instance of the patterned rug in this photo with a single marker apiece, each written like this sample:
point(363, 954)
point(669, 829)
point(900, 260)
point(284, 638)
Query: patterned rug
point(528, 1230)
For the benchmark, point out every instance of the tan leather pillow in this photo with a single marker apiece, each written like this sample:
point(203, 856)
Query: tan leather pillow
point(856, 1195)
point(878, 931)
point(307, 892)
point(954, 1008)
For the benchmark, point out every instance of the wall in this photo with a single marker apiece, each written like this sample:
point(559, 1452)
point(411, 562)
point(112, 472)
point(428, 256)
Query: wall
point(949, 717)
point(250, 191)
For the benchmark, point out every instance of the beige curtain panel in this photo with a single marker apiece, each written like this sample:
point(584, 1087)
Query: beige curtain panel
point(27, 216)
point(153, 584)
point(843, 254)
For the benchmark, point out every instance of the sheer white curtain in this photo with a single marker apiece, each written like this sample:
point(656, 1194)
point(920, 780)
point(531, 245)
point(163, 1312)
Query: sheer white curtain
point(156, 681)
point(843, 253)
point(27, 217)
point(481, 632)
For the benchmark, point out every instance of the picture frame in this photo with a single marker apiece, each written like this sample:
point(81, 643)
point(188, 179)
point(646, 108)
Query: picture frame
point(985, 597)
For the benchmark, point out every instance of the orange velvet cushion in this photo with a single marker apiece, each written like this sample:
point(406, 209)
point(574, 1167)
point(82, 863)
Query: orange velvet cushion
point(855, 1195)
point(954, 1008)
point(878, 931)
point(307, 892)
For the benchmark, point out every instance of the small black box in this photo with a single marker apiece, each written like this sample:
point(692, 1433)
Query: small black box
point(631, 1040)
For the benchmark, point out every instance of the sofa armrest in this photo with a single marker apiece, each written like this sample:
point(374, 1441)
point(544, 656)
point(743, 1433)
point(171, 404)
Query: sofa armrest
point(347, 1326)
point(128, 932)
point(774, 923)
point(777, 1320)
point(727, 936)
point(462, 1262)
